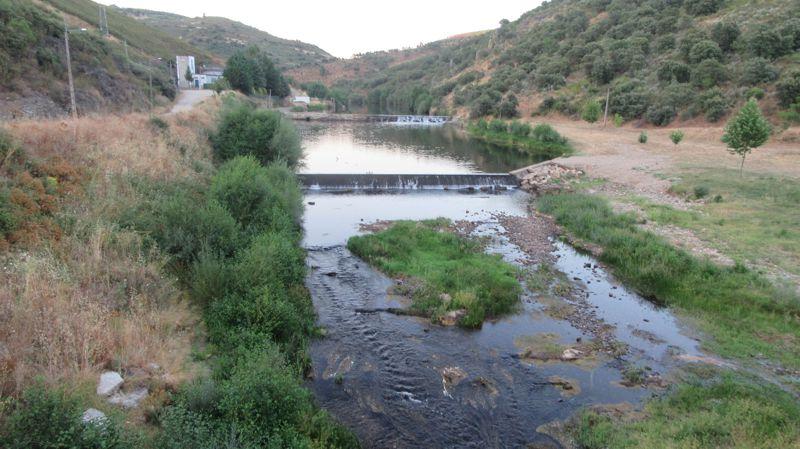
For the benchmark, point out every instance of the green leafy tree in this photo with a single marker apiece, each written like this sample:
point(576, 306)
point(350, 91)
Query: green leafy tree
point(188, 75)
point(676, 137)
point(591, 111)
point(747, 130)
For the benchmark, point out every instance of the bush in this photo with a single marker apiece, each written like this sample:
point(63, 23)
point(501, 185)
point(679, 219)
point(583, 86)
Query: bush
point(498, 126)
point(766, 42)
point(8, 221)
point(660, 115)
point(676, 137)
point(703, 50)
point(725, 34)
point(709, 73)
point(670, 71)
point(244, 130)
point(158, 124)
point(701, 192)
point(508, 107)
point(618, 120)
point(545, 133)
point(714, 104)
point(591, 111)
point(754, 92)
point(701, 7)
point(758, 70)
point(258, 198)
point(789, 88)
point(45, 419)
point(519, 129)
point(482, 106)
point(629, 100)
point(643, 137)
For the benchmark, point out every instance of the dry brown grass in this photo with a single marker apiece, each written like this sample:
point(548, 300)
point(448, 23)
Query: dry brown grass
point(96, 297)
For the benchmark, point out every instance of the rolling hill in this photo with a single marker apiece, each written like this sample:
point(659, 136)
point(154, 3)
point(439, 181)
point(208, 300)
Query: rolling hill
point(111, 72)
point(662, 61)
point(222, 37)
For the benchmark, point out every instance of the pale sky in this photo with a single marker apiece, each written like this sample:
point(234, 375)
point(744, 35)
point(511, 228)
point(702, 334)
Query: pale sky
point(346, 27)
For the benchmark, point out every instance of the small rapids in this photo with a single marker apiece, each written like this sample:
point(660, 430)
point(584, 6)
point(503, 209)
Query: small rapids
point(399, 381)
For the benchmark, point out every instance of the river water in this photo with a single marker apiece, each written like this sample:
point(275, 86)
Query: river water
point(403, 382)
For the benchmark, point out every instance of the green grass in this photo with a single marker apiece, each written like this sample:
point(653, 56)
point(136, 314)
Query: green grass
point(754, 218)
point(443, 264)
point(743, 312)
point(543, 149)
point(725, 412)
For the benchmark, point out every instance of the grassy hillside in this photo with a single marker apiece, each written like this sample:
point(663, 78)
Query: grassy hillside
point(662, 60)
point(33, 76)
point(222, 37)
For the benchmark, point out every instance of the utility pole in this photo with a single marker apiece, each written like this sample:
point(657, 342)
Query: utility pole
point(73, 108)
point(103, 26)
point(605, 114)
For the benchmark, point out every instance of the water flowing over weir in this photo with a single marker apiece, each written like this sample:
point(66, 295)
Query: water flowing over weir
point(402, 382)
point(474, 181)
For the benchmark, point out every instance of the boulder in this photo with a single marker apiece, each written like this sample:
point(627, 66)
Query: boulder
point(110, 381)
point(129, 400)
point(571, 354)
point(452, 317)
point(93, 416)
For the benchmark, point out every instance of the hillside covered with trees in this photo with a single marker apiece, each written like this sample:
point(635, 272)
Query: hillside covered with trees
point(224, 37)
point(661, 61)
point(111, 72)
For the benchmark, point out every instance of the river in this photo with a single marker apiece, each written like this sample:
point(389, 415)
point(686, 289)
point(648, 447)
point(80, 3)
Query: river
point(403, 382)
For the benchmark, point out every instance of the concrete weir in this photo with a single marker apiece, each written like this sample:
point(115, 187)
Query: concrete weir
point(474, 181)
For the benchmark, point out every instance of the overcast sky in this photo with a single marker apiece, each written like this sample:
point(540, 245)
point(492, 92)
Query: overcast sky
point(346, 27)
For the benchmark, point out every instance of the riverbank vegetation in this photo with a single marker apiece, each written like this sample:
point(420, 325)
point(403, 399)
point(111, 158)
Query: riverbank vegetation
point(744, 313)
point(442, 272)
point(540, 140)
point(163, 225)
point(709, 410)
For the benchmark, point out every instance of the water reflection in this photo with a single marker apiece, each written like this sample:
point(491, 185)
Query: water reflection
point(386, 148)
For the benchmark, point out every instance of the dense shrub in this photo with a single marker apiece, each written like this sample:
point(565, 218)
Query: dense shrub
point(545, 133)
point(758, 70)
point(789, 88)
point(629, 99)
point(508, 107)
point(498, 126)
point(591, 111)
point(484, 105)
point(670, 71)
point(643, 137)
point(51, 419)
point(676, 136)
point(725, 34)
point(258, 198)
point(661, 114)
point(703, 50)
point(519, 129)
point(701, 7)
point(183, 226)
point(714, 104)
point(709, 73)
point(251, 70)
point(766, 42)
point(263, 134)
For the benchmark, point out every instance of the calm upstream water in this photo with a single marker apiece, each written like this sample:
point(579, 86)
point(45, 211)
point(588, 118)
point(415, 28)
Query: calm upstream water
point(390, 378)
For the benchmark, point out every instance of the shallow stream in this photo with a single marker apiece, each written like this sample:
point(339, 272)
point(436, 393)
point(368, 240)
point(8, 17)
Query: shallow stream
point(401, 381)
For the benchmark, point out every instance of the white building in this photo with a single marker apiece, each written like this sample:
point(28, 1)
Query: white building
point(209, 76)
point(182, 64)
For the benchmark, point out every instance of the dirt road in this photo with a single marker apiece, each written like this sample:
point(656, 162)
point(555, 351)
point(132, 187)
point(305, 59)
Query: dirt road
point(187, 99)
